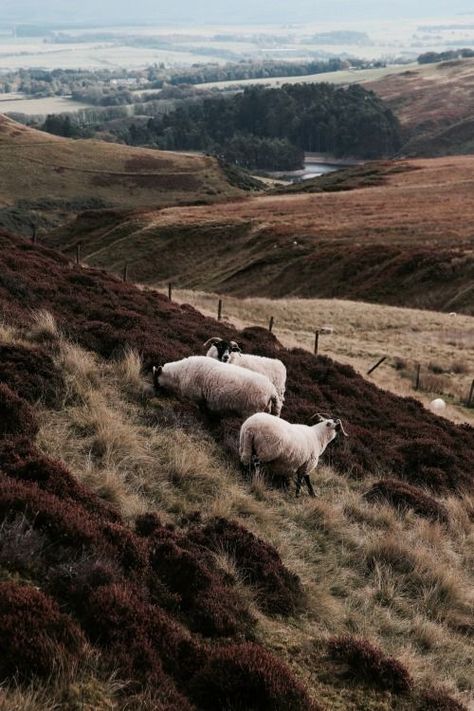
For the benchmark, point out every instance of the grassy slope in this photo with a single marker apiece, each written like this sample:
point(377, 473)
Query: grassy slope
point(48, 173)
point(435, 106)
point(363, 333)
point(368, 569)
point(407, 241)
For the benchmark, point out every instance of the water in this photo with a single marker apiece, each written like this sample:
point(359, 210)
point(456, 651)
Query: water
point(314, 170)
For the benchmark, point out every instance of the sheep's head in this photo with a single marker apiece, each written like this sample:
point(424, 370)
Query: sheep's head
point(333, 424)
point(221, 349)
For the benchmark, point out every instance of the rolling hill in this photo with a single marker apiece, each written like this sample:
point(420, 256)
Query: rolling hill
point(46, 179)
point(402, 235)
point(435, 106)
point(139, 567)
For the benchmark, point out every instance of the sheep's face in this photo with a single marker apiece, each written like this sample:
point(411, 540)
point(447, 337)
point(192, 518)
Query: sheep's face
point(222, 350)
point(332, 427)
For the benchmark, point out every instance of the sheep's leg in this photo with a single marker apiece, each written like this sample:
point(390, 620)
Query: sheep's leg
point(299, 481)
point(309, 485)
point(255, 464)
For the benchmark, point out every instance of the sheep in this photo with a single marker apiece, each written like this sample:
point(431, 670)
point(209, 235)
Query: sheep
point(218, 387)
point(438, 405)
point(295, 448)
point(272, 368)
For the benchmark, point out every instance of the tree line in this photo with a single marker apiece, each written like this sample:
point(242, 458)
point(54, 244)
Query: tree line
point(308, 117)
point(433, 57)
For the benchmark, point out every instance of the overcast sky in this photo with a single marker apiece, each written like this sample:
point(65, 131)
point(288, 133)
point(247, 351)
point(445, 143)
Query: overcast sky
point(219, 11)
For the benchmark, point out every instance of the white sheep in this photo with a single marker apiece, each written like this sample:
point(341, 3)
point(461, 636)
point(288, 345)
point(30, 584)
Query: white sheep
point(293, 448)
point(438, 405)
point(272, 368)
point(219, 387)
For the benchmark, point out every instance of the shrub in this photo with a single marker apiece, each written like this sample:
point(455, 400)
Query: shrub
point(35, 637)
point(206, 600)
point(31, 372)
point(280, 591)
point(429, 462)
point(367, 663)
point(143, 642)
point(21, 460)
point(16, 416)
point(439, 700)
point(247, 677)
point(406, 496)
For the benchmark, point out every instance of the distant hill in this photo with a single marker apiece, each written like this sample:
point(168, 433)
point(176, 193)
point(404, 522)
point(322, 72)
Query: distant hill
point(435, 106)
point(46, 179)
point(405, 240)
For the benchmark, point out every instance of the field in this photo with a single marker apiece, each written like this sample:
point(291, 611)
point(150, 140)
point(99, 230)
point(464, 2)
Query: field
point(360, 599)
point(363, 333)
point(46, 179)
point(406, 240)
point(39, 107)
point(434, 104)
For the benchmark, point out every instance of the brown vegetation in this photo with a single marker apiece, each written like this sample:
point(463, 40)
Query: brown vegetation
point(178, 609)
point(291, 245)
point(434, 106)
point(87, 173)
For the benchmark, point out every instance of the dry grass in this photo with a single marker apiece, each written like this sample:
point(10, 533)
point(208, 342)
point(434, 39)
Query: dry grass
point(36, 165)
point(363, 333)
point(367, 569)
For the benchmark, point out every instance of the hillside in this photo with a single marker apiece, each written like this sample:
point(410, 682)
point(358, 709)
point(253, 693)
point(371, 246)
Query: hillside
point(46, 179)
point(402, 236)
point(435, 106)
point(361, 334)
point(145, 571)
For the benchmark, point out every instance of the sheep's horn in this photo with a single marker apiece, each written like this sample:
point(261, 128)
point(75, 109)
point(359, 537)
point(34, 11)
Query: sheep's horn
point(341, 427)
point(211, 341)
point(321, 416)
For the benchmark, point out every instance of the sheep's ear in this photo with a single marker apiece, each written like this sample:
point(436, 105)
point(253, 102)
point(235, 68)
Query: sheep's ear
point(317, 416)
point(339, 427)
point(211, 341)
point(234, 347)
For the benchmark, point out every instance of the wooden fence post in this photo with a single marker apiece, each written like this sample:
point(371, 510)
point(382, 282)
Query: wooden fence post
point(219, 310)
point(78, 252)
point(170, 291)
point(316, 342)
point(125, 272)
point(379, 362)
point(470, 401)
point(417, 381)
point(270, 325)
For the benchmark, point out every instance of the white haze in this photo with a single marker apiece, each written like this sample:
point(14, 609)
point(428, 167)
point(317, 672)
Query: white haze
point(235, 12)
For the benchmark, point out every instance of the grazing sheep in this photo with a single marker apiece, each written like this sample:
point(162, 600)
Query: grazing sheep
point(272, 368)
point(219, 387)
point(437, 405)
point(296, 448)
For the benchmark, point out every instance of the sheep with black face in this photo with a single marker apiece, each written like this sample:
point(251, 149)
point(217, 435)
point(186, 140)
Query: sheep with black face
point(272, 368)
point(295, 449)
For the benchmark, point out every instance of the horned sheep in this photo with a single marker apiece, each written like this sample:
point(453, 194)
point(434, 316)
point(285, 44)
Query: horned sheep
point(218, 387)
point(272, 368)
point(293, 448)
